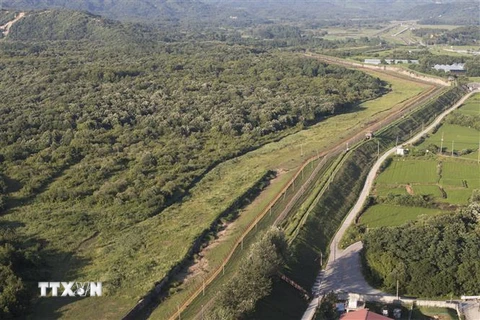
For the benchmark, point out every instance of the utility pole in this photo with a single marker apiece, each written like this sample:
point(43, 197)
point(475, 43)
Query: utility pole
point(396, 143)
point(397, 289)
point(479, 152)
point(378, 148)
point(301, 148)
point(321, 258)
point(452, 146)
point(441, 145)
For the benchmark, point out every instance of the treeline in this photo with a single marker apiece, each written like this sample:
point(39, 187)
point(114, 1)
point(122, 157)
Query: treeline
point(19, 271)
point(436, 256)
point(426, 63)
point(253, 281)
point(462, 36)
point(466, 120)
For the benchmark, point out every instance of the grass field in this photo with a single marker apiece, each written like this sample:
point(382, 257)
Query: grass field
point(427, 190)
point(458, 178)
point(425, 176)
point(342, 33)
point(472, 106)
point(461, 138)
point(382, 215)
point(403, 171)
point(454, 173)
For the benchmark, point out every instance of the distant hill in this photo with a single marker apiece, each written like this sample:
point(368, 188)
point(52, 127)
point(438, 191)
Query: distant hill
point(355, 9)
point(159, 10)
point(457, 13)
point(51, 25)
point(241, 11)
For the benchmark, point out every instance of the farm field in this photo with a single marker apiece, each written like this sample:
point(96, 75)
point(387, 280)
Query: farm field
point(342, 33)
point(446, 179)
point(458, 178)
point(384, 215)
point(461, 137)
point(403, 171)
point(472, 107)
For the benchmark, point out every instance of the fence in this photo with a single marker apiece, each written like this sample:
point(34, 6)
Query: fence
point(455, 305)
point(282, 204)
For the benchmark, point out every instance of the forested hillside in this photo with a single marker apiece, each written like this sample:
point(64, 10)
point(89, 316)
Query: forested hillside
point(456, 13)
point(299, 11)
point(101, 129)
point(160, 10)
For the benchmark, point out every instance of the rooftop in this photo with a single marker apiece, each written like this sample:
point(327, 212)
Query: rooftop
point(450, 67)
point(363, 314)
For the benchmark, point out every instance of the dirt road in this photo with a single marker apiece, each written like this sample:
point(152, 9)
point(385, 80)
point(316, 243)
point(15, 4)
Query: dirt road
point(7, 26)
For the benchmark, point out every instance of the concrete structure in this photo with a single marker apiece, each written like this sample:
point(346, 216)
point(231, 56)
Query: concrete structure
point(401, 152)
point(473, 86)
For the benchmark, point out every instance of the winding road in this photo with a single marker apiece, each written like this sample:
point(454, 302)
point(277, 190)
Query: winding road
point(343, 267)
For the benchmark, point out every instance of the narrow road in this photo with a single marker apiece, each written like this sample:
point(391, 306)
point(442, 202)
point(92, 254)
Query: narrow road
point(6, 27)
point(341, 273)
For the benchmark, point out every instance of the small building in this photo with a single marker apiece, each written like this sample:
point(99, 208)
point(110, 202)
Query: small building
point(401, 151)
point(453, 68)
point(363, 314)
point(473, 86)
point(369, 135)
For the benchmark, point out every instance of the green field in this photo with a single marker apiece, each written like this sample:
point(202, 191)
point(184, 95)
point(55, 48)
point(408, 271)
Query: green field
point(403, 171)
point(382, 215)
point(427, 176)
point(453, 173)
point(458, 178)
point(472, 106)
point(427, 190)
point(461, 137)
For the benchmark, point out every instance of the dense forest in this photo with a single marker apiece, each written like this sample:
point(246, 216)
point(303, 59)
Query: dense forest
point(431, 257)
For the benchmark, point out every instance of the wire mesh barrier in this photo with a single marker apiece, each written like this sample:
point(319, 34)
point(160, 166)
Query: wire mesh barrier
point(279, 208)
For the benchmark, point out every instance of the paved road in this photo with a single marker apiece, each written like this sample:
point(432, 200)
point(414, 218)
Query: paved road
point(471, 310)
point(343, 267)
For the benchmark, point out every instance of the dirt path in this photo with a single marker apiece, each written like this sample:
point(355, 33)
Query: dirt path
point(329, 278)
point(7, 26)
point(409, 190)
